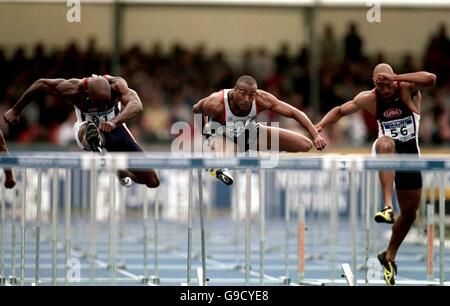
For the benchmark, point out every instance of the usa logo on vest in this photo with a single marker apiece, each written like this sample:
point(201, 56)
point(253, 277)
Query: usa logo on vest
point(392, 112)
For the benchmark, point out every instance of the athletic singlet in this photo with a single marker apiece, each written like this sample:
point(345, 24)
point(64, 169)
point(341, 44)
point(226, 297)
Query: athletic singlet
point(397, 121)
point(234, 125)
point(91, 112)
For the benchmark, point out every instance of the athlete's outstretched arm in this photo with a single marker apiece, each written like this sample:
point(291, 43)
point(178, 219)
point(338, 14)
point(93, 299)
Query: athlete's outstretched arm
point(350, 107)
point(289, 111)
point(421, 78)
point(417, 79)
point(40, 87)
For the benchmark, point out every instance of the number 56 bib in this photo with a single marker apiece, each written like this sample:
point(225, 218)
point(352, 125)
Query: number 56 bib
point(400, 129)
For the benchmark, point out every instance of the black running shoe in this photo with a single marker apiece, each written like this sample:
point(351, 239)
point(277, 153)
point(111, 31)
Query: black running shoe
point(389, 269)
point(386, 215)
point(93, 138)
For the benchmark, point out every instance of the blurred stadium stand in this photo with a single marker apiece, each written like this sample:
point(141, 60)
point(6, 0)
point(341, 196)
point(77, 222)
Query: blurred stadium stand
point(190, 51)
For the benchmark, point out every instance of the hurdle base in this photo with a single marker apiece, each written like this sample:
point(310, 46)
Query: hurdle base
point(144, 280)
point(155, 280)
point(111, 267)
point(12, 279)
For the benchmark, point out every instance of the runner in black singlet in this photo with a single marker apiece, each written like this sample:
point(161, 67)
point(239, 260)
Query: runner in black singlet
point(395, 103)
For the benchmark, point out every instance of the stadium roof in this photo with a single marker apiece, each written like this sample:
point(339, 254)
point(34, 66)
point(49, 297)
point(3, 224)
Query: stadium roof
point(299, 3)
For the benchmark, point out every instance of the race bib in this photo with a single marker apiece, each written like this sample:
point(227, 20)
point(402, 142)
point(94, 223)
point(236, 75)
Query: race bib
point(97, 117)
point(236, 128)
point(400, 129)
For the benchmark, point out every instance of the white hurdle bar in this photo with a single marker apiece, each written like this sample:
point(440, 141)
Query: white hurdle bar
point(355, 165)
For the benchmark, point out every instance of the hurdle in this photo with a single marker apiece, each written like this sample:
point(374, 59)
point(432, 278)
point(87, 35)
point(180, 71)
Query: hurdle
point(38, 227)
point(2, 223)
point(333, 220)
point(202, 274)
point(262, 225)
point(92, 252)
point(22, 227)
point(362, 187)
point(189, 238)
point(12, 277)
point(145, 278)
point(155, 277)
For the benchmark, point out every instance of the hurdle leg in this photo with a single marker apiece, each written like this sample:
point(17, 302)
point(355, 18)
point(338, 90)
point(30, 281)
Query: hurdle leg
point(112, 237)
point(67, 221)
point(155, 278)
point(22, 227)
point(2, 222)
point(248, 201)
point(262, 225)
point(93, 221)
point(144, 279)
point(287, 224)
point(202, 226)
point(12, 277)
point(430, 227)
point(334, 216)
point(54, 226)
point(109, 199)
point(38, 227)
point(300, 238)
point(189, 246)
point(375, 208)
point(315, 234)
point(237, 228)
point(441, 228)
point(122, 212)
point(368, 198)
point(430, 237)
point(422, 213)
point(86, 197)
point(353, 217)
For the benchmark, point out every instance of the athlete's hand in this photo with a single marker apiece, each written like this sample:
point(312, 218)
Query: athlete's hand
point(319, 142)
point(11, 116)
point(384, 77)
point(107, 126)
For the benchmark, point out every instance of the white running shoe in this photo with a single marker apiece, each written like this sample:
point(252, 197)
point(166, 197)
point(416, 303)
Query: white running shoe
point(223, 175)
point(125, 181)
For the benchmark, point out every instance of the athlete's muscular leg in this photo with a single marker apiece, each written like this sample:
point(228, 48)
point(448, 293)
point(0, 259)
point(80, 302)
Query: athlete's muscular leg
point(121, 140)
point(287, 140)
point(409, 201)
point(386, 145)
point(148, 178)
